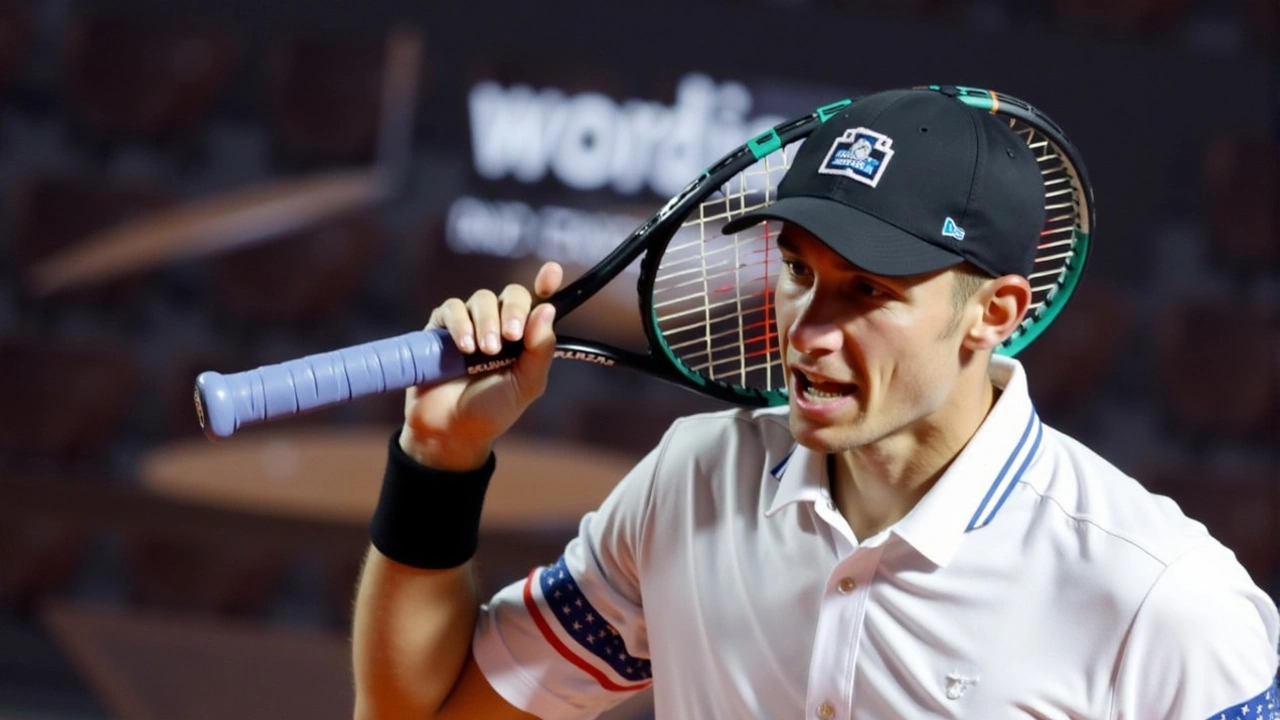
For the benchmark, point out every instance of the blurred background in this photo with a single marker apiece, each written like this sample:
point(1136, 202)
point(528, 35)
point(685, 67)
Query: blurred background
point(380, 156)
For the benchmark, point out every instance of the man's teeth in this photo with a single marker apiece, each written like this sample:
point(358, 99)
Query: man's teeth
point(816, 394)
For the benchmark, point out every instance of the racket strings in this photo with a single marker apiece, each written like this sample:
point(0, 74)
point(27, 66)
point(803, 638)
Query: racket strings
point(712, 293)
point(1065, 219)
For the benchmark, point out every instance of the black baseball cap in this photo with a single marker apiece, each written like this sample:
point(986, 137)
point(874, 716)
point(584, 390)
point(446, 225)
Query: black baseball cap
point(906, 182)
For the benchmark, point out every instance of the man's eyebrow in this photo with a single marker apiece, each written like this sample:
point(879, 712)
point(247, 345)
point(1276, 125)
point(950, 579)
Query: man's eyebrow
point(785, 243)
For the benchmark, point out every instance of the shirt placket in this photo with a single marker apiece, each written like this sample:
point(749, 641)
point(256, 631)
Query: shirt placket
point(841, 615)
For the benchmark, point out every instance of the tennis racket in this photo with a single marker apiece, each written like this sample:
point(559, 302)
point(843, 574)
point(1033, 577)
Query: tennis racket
point(705, 297)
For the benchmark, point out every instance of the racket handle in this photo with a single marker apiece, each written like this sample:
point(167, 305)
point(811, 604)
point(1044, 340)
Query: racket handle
point(225, 403)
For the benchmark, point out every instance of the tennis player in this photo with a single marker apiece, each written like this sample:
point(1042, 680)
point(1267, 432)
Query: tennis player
point(907, 539)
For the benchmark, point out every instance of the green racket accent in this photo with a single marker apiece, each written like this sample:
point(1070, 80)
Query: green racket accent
point(974, 97)
point(764, 143)
point(826, 112)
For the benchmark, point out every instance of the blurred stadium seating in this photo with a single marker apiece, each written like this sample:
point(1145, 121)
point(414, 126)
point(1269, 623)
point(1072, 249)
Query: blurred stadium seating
point(65, 402)
point(143, 80)
point(322, 100)
point(15, 40)
point(50, 211)
point(1215, 383)
point(1240, 173)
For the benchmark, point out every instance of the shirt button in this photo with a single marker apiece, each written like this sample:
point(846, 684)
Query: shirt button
point(826, 711)
point(846, 585)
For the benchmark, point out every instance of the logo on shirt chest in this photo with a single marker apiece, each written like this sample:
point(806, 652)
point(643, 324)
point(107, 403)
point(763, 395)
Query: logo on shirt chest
point(958, 685)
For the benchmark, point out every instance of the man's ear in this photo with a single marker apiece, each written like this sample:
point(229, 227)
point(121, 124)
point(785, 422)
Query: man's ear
point(1004, 302)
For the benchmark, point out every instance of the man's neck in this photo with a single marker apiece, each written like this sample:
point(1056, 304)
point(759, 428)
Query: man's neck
point(876, 485)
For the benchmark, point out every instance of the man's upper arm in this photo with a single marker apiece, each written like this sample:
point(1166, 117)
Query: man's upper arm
point(473, 697)
point(1202, 645)
point(570, 640)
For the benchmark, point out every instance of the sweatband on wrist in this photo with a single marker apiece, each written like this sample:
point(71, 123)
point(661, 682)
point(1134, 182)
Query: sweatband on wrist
point(427, 518)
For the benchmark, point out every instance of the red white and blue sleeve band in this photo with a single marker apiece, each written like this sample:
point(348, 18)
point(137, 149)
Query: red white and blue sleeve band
point(575, 628)
point(563, 642)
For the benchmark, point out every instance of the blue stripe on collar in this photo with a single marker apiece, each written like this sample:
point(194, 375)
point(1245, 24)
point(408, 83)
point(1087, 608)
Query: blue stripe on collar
point(781, 467)
point(1021, 469)
point(973, 522)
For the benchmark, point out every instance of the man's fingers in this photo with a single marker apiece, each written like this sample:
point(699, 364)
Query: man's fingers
point(548, 280)
point(515, 303)
point(486, 319)
point(453, 316)
point(483, 306)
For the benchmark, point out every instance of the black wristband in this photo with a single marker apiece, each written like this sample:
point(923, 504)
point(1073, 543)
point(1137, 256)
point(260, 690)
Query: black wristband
point(427, 518)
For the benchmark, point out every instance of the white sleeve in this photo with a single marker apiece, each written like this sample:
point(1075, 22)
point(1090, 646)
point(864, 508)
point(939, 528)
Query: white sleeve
point(1203, 646)
point(570, 640)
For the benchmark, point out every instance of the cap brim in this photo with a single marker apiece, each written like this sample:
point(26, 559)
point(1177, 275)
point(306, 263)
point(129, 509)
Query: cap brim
point(864, 240)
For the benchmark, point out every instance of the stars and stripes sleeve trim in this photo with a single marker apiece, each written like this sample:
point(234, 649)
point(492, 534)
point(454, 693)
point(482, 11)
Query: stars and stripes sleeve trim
point(580, 635)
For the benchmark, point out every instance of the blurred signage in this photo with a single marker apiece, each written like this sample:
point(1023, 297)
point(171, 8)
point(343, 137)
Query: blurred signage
point(589, 142)
point(516, 229)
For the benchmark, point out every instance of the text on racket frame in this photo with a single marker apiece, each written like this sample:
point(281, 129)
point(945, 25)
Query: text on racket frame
point(580, 355)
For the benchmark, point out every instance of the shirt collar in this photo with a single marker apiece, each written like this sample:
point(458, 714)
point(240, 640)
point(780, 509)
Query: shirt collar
point(973, 489)
point(801, 476)
point(968, 495)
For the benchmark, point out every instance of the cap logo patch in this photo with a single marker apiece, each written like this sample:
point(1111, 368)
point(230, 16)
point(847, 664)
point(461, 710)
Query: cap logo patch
point(860, 154)
point(951, 229)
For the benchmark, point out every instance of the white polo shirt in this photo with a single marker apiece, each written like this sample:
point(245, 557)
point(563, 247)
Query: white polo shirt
point(1034, 580)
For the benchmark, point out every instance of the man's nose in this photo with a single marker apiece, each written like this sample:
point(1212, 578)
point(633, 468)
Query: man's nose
point(816, 330)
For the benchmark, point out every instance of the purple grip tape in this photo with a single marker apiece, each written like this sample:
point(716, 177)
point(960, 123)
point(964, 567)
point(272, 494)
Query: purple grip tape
point(226, 403)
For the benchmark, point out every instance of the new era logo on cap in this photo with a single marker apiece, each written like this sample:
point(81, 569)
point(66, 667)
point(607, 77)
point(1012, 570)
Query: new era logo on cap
point(860, 154)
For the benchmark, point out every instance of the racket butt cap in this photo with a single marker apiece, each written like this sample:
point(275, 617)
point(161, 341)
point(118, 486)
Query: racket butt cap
point(214, 407)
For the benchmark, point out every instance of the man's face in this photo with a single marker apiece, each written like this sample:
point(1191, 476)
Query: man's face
point(868, 357)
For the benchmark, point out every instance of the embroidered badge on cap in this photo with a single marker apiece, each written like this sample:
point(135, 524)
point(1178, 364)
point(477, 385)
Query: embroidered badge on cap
point(860, 154)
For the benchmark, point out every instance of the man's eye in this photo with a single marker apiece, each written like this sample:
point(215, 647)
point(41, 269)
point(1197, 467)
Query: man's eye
point(867, 289)
point(795, 269)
